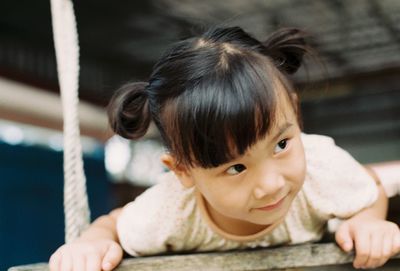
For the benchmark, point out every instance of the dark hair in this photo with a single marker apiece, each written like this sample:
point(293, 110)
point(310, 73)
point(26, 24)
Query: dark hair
point(213, 96)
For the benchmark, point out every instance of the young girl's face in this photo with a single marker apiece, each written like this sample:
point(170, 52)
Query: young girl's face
point(254, 190)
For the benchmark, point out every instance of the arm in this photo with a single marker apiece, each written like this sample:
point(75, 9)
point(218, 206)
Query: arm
point(374, 239)
point(389, 174)
point(380, 207)
point(103, 227)
point(96, 249)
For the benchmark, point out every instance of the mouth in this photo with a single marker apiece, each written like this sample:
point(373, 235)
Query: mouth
point(272, 206)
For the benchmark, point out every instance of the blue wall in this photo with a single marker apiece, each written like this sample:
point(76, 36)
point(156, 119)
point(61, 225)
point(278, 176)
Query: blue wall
point(31, 201)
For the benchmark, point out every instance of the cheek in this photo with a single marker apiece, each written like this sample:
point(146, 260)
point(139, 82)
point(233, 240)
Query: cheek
point(298, 164)
point(227, 199)
point(218, 191)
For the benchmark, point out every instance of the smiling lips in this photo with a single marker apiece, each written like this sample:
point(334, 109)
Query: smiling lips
point(272, 206)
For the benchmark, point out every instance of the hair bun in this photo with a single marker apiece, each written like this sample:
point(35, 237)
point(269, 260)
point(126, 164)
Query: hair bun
point(287, 47)
point(128, 111)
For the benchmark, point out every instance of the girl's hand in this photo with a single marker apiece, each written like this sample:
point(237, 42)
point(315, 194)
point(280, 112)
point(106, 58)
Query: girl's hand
point(375, 240)
point(103, 254)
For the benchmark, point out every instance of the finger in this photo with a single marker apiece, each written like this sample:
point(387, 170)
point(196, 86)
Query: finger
point(93, 262)
point(388, 248)
point(396, 243)
point(112, 257)
point(343, 237)
point(375, 253)
point(54, 261)
point(362, 244)
point(78, 263)
point(66, 262)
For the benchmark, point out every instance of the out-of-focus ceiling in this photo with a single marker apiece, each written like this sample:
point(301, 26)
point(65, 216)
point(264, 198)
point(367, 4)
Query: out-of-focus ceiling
point(121, 40)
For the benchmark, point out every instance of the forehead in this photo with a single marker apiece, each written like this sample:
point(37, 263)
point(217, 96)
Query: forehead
point(285, 110)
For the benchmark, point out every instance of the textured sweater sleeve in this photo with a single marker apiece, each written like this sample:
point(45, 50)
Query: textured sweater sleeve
point(336, 184)
point(148, 225)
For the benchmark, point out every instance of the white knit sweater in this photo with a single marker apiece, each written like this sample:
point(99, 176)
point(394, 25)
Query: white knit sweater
point(169, 217)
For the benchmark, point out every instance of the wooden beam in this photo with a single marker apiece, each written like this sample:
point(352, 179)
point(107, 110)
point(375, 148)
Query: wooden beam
point(31, 105)
point(307, 255)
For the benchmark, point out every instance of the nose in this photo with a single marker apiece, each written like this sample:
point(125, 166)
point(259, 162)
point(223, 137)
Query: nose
point(268, 182)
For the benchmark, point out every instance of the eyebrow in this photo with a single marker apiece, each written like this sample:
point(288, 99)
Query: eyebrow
point(282, 129)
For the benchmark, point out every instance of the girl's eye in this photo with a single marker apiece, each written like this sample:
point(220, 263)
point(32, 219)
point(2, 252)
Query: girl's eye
point(280, 146)
point(236, 169)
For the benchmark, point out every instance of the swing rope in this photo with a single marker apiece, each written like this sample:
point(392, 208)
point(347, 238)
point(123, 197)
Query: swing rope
point(76, 207)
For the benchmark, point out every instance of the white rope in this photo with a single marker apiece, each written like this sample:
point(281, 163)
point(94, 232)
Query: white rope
point(76, 209)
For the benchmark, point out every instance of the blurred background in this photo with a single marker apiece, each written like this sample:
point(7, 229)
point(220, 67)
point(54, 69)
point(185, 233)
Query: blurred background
point(352, 95)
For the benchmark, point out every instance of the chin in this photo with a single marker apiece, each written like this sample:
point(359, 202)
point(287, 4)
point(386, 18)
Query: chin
point(268, 222)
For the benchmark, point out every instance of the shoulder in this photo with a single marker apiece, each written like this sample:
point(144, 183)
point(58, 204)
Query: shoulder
point(336, 184)
point(322, 154)
point(316, 143)
point(145, 224)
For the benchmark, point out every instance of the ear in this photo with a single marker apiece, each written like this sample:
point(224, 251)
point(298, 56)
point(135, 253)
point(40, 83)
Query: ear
point(180, 171)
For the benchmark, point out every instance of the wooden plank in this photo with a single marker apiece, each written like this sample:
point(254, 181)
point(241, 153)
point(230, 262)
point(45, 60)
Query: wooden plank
point(306, 255)
point(42, 108)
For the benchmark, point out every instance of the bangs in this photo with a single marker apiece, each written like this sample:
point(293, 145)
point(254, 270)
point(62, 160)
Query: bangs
point(224, 113)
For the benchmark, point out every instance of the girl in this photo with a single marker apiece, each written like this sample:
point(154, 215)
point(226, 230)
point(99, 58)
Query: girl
point(242, 173)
